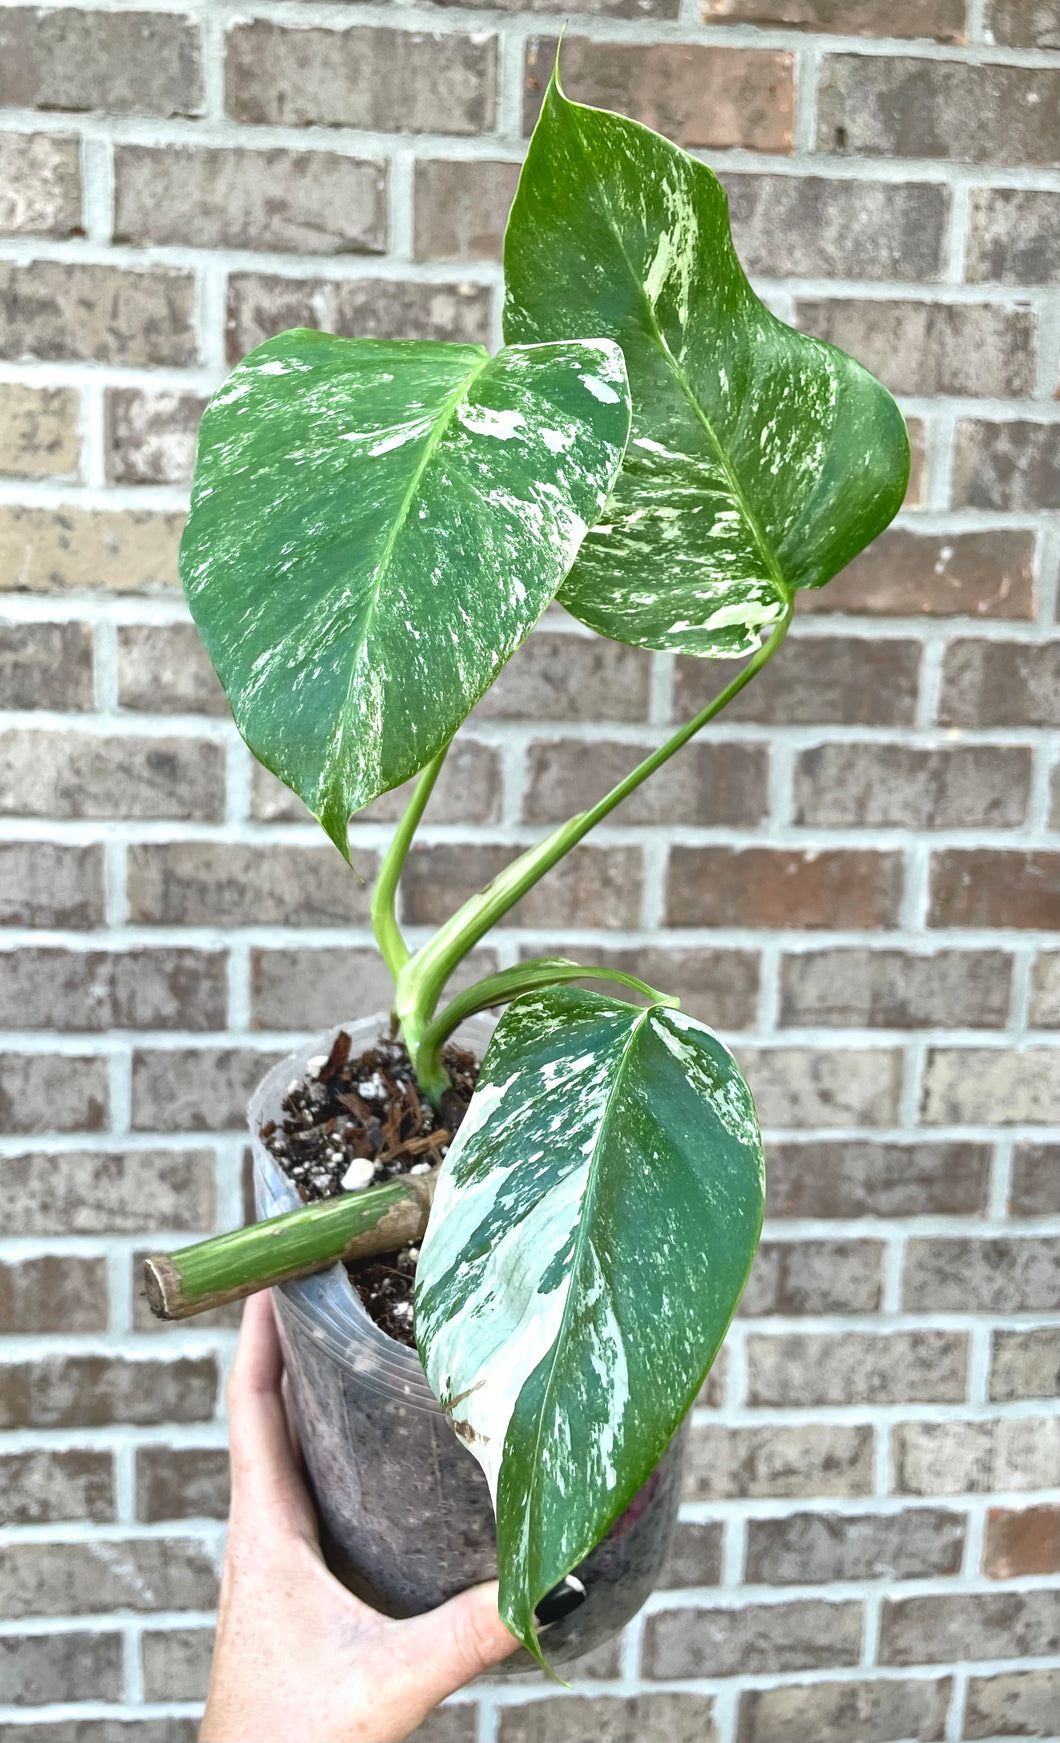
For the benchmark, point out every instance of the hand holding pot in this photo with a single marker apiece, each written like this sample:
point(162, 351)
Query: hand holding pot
point(297, 1655)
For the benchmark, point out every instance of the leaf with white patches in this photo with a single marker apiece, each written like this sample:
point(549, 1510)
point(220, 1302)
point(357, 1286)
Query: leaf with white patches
point(760, 460)
point(375, 528)
point(592, 1232)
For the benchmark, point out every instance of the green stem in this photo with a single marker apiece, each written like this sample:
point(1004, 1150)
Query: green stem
point(498, 989)
point(421, 980)
point(384, 897)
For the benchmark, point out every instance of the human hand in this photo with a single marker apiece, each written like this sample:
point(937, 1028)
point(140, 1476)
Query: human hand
point(297, 1655)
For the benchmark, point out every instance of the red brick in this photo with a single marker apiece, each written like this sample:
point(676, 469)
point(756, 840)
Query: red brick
point(994, 886)
point(988, 683)
point(779, 886)
point(940, 20)
point(910, 574)
point(296, 202)
point(719, 987)
point(695, 94)
point(707, 784)
point(816, 680)
point(261, 304)
point(901, 106)
point(53, 1293)
point(592, 886)
point(380, 79)
point(855, 1179)
point(1021, 1542)
point(40, 183)
point(130, 63)
point(88, 1391)
point(928, 348)
point(460, 208)
point(49, 884)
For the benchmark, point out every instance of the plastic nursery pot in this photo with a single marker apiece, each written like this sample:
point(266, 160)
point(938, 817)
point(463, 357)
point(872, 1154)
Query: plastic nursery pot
point(406, 1516)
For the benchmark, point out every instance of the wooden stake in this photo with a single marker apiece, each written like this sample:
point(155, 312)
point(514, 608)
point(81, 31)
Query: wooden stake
point(354, 1226)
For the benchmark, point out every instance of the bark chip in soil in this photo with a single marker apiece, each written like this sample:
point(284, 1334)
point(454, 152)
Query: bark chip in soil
point(350, 1123)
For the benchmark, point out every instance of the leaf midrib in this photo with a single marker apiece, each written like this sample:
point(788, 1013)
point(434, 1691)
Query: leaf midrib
point(429, 450)
point(765, 550)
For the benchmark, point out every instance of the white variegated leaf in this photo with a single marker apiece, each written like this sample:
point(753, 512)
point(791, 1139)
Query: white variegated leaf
point(760, 461)
point(375, 527)
point(592, 1231)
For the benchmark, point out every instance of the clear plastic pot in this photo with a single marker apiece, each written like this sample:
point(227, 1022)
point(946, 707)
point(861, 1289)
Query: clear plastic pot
point(405, 1511)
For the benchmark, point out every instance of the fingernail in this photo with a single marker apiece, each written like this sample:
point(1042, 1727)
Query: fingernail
point(559, 1602)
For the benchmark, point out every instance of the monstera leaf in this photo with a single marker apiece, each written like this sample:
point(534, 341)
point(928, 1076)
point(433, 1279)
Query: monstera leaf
point(592, 1232)
point(375, 527)
point(760, 460)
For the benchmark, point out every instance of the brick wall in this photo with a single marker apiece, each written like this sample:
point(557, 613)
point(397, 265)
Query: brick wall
point(853, 875)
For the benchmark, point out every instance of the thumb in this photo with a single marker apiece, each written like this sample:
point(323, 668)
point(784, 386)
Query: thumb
point(458, 1641)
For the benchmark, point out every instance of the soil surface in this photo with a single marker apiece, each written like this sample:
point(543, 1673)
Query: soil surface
point(363, 1121)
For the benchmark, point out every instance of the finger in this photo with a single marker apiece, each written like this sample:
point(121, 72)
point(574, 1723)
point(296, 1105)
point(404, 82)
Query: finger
point(265, 1478)
point(458, 1641)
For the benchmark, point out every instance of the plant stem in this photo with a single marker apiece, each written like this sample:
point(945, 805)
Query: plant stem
point(423, 976)
point(228, 1267)
point(498, 989)
point(384, 897)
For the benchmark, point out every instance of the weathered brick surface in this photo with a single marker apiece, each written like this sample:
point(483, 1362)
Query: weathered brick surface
point(97, 314)
point(901, 106)
point(941, 20)
point(1012, 236)
point(695, 93)
point(261, 304)
point(358, 77)
point(986, 683)
point(893, 989)
point(766, 886)
point(80, 774)
point(179, 1482)
point(849, 875)
point(954, 1458)
point(798, 1368)
point(150, 439)
point(51, 1579)
point(821, 681)
point(131, 63)
point(107, 1192)
point(846, 1712)
point(926, 348)
point(993, 887)
point(40, 183)
point(1021, 1703)
point(53, 1293)
point(46, 665)
point(852, 785)
point(811, 1548)
point(97, 990)
point(711, 784)
point(293, 202)
point(43, 1486)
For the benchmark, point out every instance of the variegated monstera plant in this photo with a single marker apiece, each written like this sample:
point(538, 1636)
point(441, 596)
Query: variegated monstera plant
point(376, 527)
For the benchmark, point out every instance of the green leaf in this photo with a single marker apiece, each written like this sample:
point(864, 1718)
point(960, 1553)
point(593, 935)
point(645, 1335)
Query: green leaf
point(592, 1232)
point(760, 460)
point(375, 527)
